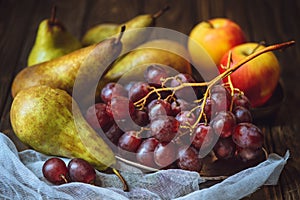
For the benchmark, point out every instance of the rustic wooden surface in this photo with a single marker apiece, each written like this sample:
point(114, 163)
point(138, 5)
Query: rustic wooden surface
point(272, 21)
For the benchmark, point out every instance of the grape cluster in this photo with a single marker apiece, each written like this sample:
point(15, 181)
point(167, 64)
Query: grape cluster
point(78, 170)
point(159, 125)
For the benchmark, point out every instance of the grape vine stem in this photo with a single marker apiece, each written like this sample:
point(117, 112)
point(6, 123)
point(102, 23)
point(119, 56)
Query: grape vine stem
point(229, 70)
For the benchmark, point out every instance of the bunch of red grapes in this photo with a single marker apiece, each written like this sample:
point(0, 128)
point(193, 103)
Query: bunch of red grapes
point(161, 127)
point(57, 172)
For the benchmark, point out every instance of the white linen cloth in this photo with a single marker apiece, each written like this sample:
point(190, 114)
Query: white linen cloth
point(21, 178)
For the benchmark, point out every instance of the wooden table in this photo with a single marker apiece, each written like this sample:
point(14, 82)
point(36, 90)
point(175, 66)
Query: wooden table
point(272, 21)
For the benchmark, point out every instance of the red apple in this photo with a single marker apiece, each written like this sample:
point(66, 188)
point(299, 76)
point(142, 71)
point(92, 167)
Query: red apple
point(257, 78)
point(216, 36)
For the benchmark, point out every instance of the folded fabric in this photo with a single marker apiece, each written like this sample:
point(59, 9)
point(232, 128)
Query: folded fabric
point(21, 178)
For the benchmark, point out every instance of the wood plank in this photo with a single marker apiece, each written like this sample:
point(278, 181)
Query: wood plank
point(72, 16)
point(39, 11)
point(12, 40)
point(180, 17)
point(11, 46)
point(273, 21)
point(270, 30)
point(22, 37)
point(114, 11)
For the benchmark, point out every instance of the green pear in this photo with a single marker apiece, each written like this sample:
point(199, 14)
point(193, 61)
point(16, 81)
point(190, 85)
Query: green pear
point(99, 33)
point(81, 68)
point(49, 121)
point(134, 35)
point(159, 51)
point(52, 41)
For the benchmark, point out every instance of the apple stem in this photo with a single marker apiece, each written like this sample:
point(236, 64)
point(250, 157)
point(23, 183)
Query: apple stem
point(250, 57)
point(161, 12)
point(210, 24)
point(257, 46)
point(229, 70)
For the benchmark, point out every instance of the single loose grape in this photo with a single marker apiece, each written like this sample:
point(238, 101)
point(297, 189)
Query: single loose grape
point(55, 171)
point(81, 171)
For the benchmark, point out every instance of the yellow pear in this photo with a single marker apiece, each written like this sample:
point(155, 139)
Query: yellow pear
point(49, 121)
point(136, 31)
point(159, 51)
point(82, 68)
point(52, 41)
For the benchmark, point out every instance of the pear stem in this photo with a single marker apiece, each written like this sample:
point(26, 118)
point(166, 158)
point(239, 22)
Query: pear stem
point(125, 186)
point(53, 14)
point(160, 12)
point(121, 34)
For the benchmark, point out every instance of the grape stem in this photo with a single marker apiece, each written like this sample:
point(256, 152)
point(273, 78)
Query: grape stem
point(64, 178)
point(229, 70)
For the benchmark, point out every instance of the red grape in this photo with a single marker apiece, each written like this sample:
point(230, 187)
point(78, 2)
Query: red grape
point(241, 100)
point(186, 117)
point(164, 128)
point(221, 97)
point(154, 74)
point(203, 136)
point(158, 107)
point(182, 78)
point(130, 141)
point(127, 86)
point(220, 89)
point(81, 171)
point(55, 171)
point(223, 123)
point(187, 93)
point(165, 154)
point(242, 114)
point(141, 118)
point(180, 105)
point(224, 148)
point(247, 135)
point(112, 89)
point(247, 154)
point(145, 153)
point(209, 109)
point(138, 90)
point(114, 133)
point(98, 117)
point(188, 159)
point(120, 108)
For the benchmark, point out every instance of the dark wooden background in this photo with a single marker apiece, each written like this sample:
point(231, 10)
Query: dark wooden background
point(272, 21)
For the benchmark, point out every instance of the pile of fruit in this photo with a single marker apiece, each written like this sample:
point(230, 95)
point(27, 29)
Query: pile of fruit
point(157, 119)
point(163, 126)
